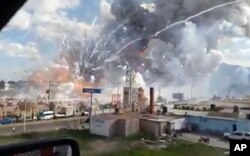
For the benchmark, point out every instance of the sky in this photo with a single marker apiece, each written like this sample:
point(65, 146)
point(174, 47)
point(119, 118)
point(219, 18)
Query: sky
point(31, 39)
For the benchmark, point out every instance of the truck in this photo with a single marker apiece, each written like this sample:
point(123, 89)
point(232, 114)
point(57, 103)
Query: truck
point(69, 111)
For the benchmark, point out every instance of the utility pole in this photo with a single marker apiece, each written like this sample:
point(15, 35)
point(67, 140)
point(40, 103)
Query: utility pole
point(49, 91)
point(25, 116)
point(90, 110)
point(130, 79)
point(117, 98)
point(191, 91)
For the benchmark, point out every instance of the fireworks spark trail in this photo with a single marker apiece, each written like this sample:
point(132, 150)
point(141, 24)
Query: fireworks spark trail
point(128, 44)
point(180, 22)
point(196, 15)
point(114, 31)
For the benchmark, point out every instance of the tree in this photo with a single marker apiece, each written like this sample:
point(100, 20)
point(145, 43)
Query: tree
point(52, 106)
point(82, 107)
point(236, 109)
point(2, 84)
point(212, 107)
point(21, 106)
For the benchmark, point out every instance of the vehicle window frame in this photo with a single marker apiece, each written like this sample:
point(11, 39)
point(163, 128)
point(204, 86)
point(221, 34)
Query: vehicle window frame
point(238, 134)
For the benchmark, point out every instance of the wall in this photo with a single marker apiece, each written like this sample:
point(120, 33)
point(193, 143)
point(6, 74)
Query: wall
point(217, 125)
point(101, 126)
point(114, 127)
point(132, 127)
point(223, 114)
point(180, 124)
point(153, 128)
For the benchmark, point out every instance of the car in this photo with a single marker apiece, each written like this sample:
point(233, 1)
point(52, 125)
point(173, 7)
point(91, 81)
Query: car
point(237, 135)
point(85, 113)
point(6, 121)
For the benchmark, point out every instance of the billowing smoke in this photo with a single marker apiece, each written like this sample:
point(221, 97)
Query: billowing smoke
point(167, 42)
point(231, 80)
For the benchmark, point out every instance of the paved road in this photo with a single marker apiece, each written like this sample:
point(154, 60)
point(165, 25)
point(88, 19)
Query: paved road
point(214, 142)
point(72, 123)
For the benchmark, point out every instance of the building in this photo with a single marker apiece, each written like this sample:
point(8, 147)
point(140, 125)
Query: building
point(216, 125)
point(134, 98)
point(110, 125)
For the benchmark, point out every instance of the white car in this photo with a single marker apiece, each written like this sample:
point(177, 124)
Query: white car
point(237, 135)
point(85, 113)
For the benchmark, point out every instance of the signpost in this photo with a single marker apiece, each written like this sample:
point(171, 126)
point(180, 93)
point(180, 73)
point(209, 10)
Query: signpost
point(91, 91)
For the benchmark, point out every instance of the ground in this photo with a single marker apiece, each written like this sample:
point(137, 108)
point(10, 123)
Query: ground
point(131, 146)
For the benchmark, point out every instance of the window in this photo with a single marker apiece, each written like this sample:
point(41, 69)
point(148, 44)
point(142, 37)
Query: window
point(237, 134)
point(246, 134)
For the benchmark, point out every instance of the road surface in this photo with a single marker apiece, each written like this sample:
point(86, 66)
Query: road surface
point(46, 125)
point(214, 141)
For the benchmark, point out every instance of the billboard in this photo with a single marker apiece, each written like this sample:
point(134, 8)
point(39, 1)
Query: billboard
point(178, 96)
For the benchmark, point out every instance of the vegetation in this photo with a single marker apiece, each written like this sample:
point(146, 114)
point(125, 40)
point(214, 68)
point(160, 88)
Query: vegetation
point(180, 149)
point(236, 109)
point(197, 109)
point(212, 107)
point(129, 146)
point(204, 109)
point(52, 106)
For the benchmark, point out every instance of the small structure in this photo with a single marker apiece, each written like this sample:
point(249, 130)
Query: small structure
point(113, 125)
point(156, 126)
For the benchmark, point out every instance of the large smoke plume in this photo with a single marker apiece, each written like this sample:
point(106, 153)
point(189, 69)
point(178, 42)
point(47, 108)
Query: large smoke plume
point(182, 54)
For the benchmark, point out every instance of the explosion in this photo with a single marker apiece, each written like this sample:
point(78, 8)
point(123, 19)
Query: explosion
point(167, 42)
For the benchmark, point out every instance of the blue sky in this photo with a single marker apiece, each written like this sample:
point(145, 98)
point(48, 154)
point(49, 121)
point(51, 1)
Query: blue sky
point(26, 43)
point(31, 39)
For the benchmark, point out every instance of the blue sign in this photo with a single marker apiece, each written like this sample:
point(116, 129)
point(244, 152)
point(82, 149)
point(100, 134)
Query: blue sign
point(91, 90)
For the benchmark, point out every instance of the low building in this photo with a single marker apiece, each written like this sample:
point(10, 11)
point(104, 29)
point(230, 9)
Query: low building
point(216, 125)
point(156, 126)
point(112, 125)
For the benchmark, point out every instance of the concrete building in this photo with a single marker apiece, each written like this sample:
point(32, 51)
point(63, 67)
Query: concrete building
point(156, 126)
point(111, 125)
point(138, 99)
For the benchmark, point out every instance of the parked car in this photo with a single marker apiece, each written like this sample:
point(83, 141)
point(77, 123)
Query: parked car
point(28, 118)
point(237, 135)
point(85, 113)
point(6, 121)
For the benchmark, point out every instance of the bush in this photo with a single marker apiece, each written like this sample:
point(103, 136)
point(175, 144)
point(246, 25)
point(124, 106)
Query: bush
point(191, 108)
point(198, 109)
point(212, 107)
point(175, 107)
point(204, 109)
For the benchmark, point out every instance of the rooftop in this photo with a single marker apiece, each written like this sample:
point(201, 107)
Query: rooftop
point(127, 115)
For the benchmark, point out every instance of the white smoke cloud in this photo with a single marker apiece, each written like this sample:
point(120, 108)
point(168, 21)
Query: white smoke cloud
point(64, 91)
point(106, 9)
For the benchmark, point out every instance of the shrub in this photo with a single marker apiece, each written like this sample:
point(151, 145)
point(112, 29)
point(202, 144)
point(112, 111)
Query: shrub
point(191, 108)
point(198, 109)
point(204, 109)
point(212, 107)
point(175, 107)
